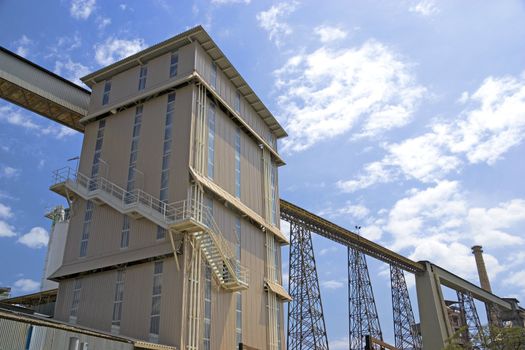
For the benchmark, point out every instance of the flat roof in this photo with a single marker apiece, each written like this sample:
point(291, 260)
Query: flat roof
point(199, 35)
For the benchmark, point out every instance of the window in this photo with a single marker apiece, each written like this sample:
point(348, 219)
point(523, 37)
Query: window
point(124, 234)
point(142, 77)
point(238, 295)
point(117, 304)
point(74, 343)
point(273, 193)
point(237, 102)
point(166, 149)
point(75, 300)
point(95, 168)
point(166, 153)
point(88, 215)
point(207, 308)
point(133, 155)
point(238, 318)
point(174, 64)
point(238, 163)
point(211, 140)
point(107, 90)
point(213, 75)
point(208, 214)
point(279, 339)
point(154, 325)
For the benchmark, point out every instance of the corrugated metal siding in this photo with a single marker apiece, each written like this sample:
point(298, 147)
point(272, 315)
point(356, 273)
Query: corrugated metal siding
point(136, 307)
point(116, 146)
point(228, 92)
point(125, 85)
point(13, 335)
point(179, 179)
point(224, 152)
point(251, 174)
point(76, 221)
point(254, 302)
point(171, 304)
point(96, 300)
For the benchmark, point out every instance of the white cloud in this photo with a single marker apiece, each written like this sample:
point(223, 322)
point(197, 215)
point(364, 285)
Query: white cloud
point(103, 22)
point(435, 211)
point(5, 211)
point(331, 249)
point(6, 230)
point(82, 9)
point(71, 70)
point(439, 222)
point(272, 20)
point(492, 123)
point(224, 2)
point(516, 278)
point(328, 33)
point(8, 172)
point(22, 46)
point(19, 118)
point(26, 285)
point(328, 92)
point(339, 344)
point(425, 8)
point(487, 225)
point(114, 49)
point(36, 238)
point(357, 211)
point(332, 284)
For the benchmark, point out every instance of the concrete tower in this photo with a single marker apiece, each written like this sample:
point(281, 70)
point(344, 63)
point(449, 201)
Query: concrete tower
point(482, 270)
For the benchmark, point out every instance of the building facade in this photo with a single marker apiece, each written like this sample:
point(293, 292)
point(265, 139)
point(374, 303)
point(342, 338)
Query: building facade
point(174, 213)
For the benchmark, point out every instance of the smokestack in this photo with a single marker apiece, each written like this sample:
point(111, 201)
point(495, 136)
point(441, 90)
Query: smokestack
point(492, 312)
point(482, 270)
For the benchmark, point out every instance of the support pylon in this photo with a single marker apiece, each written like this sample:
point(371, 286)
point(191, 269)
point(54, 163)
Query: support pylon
point(363, 319)
point(474, 335)
point(306, 326)
point(405, 332)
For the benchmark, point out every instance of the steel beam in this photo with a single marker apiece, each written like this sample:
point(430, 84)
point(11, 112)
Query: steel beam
point(339, 234)
point(459, 284)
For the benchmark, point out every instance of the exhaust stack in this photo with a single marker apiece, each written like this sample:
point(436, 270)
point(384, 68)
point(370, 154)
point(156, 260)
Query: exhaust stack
point(482, 270)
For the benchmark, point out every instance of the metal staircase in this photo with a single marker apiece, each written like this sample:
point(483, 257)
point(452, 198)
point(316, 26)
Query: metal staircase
point(187, 216)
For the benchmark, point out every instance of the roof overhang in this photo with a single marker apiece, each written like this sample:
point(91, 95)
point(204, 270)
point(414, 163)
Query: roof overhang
point(199, 35)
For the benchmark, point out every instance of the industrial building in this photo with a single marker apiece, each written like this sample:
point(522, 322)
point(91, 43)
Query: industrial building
point(179, 156)
point(171, 238)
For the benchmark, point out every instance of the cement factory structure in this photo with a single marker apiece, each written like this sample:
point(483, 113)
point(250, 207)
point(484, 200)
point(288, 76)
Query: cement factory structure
point(171, 238)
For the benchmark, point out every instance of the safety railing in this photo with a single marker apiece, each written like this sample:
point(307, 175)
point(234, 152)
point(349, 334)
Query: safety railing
point(191, 209)
point(144, 203)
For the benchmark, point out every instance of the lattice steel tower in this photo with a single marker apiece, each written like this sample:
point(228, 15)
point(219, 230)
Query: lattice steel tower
point(306, 326)
point(474, 336)
point(405, 333)
point(363, 319)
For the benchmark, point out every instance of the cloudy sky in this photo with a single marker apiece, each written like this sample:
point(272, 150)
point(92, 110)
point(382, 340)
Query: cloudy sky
point(405, 117)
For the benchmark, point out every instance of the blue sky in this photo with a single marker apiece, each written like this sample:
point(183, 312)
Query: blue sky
point(405, 117)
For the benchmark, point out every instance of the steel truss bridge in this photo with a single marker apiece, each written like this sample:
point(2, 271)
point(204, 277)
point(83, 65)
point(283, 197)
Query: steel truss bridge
point(39, 90)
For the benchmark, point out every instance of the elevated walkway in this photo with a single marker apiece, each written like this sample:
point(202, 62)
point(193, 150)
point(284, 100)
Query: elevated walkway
point(187, 216)
point(35, 88)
